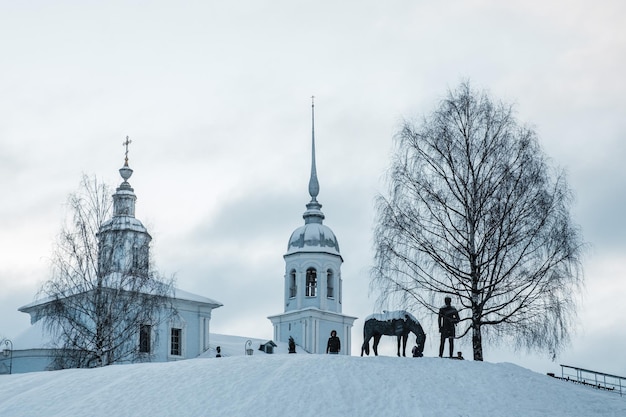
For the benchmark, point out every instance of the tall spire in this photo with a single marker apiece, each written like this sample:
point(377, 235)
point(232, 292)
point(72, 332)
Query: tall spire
point(313, 214)
point(314, 186)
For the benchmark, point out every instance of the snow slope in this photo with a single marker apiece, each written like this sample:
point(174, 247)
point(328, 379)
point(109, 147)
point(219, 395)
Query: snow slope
point(302, 385)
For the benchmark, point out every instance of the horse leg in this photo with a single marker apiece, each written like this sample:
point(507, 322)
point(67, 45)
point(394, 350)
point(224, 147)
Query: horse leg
point(404, 339)
point(375, 345)
point(398, 337)
point(366, 346)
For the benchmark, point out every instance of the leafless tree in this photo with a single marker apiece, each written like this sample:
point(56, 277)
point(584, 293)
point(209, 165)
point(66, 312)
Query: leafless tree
point(476, 211)
point(96, 301)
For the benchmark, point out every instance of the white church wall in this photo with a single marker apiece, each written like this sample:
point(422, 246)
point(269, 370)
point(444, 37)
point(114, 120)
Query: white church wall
point(310, 329)
point(26, 360)
point(290, 328)
point(193, 320)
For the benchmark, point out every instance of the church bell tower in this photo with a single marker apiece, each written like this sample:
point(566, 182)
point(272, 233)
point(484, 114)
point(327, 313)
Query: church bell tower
point(312, 281)
point(124, 242)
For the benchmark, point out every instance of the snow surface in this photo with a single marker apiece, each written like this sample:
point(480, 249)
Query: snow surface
point(301, 385)
point(391, 315)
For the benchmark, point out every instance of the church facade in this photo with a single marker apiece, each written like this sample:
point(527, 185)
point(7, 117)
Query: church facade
point(312, 281)
point(123, 256)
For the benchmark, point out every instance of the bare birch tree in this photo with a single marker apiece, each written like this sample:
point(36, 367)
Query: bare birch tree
point(475, 211)
point(94, 306)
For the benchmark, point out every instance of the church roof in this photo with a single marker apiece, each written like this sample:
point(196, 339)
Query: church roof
point(188, 296)
point(123, 223)
point(313, 311)
point(313, 237)
point(178, 295)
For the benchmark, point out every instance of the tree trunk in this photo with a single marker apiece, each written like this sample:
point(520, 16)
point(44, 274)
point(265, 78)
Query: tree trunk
point(477, 341)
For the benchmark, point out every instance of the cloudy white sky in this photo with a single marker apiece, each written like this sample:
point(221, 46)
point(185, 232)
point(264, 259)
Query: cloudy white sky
point(216, 99)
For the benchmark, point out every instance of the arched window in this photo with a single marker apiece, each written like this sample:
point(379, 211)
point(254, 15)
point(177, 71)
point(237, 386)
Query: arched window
point(145, 334)
point(330, 284)
point(105, 258)
point(144, 261)
point(140, 261)
point(292, 284)
point(311, 282)
point(136, 263)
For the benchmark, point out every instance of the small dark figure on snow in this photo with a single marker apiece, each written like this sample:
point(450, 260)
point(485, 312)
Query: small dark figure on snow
point(334, 344)
point(459, 356)
point(292, 345)
point(418, 349)
point(448, 318)
point(219, 352)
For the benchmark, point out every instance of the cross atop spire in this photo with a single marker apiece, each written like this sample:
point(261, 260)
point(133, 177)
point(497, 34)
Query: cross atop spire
point(126, 143)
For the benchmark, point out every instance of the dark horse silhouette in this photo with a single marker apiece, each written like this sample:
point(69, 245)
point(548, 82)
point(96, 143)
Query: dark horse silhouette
point(392, 323)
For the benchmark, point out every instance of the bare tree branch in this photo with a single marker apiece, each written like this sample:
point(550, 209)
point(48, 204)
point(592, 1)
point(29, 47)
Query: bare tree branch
point(102, 287)
point(475, 211)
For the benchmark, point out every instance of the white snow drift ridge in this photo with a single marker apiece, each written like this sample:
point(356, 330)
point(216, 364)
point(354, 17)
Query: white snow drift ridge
point(302, 385)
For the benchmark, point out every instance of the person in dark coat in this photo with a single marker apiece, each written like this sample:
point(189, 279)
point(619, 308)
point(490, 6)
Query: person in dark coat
point(334, 344)
point(448, 318)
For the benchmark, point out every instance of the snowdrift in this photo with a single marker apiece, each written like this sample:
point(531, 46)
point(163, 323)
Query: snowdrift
point(302, 385)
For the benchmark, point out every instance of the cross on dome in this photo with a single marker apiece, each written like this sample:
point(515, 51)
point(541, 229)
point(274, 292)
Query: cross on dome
point(125, 171)
point(126, 143)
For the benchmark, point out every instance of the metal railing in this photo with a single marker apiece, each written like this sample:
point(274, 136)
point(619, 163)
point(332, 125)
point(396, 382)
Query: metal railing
point(600, 380)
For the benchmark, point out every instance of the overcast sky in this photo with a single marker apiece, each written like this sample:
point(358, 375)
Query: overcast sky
point(216, 99)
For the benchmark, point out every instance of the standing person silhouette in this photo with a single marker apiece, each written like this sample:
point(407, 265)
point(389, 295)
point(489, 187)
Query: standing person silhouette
point(334, 344)
point(448, 318)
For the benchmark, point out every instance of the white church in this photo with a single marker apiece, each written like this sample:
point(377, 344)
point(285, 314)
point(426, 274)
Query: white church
point(124, 240)
point(312, 291)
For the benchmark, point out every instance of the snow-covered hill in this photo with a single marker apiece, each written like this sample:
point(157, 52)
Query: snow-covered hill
point(302, 385)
